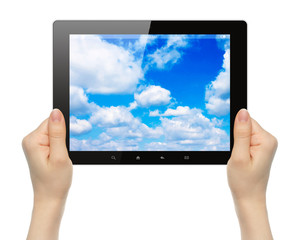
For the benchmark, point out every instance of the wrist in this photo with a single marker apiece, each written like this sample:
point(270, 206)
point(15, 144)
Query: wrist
point(246, 207)
point(253, 218)
point(49, 201)
point(46, 218)
point(51, 210)
point(46, 200)
point(49, 204)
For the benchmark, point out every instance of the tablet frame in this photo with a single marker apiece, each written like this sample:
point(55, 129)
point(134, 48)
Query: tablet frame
point(238, 81)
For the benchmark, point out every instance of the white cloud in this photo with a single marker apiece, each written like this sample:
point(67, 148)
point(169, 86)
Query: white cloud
point(121, 131)
point(144, 40)
point(151, 132)
point(101, 67)
point(179, 129)
point(79, 102)
point(177, 41)
point(161, 57)
point(111, 116)
point(154, 113)
point(179, 111)
point(192, 131)
point(135, 130)
point(104, 137)
point(100, 145)
point(153, 96)
point(223, 41)
point(118, 122)
point(218, 106)
point(121, 145)
point(187, 129)
point(79, 145)
point(217, 94)
point(162, 146)
point(170, 146)
point(188, 145)
point(132, 105)
point(169, 53)
point(217, 122)
point(124, 132)
point(78, 126)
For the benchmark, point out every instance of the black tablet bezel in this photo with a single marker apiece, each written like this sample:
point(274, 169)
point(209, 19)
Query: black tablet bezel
point(238, 82)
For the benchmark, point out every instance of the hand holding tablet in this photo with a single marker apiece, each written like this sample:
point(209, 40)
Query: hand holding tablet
point(147, 92)
point(248, 173)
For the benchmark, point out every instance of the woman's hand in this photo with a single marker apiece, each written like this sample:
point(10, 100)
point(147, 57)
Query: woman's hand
point(248, 173)
point(51, 175)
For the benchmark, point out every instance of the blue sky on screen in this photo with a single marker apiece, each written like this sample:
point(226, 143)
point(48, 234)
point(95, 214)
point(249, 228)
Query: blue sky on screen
point(149, 92)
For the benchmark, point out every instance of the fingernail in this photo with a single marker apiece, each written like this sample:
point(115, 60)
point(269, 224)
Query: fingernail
point(243, 115)
point(55, 115)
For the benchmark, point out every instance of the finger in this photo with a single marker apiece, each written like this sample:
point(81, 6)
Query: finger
point(33, 139)
point(43, 127)
point(257, 134)
point(242, 135)
point(57, 135)
point(256, 128)
point(264, 139)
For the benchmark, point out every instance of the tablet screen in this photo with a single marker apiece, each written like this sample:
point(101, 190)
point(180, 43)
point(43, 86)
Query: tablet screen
point(149, 92)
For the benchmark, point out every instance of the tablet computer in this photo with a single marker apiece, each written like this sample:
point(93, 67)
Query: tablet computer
point(149, 92)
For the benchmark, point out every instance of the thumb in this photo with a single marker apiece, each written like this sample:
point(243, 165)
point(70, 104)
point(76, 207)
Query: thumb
point(57, 134)
point(242, 135)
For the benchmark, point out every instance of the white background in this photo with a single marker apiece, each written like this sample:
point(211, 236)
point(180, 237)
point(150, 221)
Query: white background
point(149, 202)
